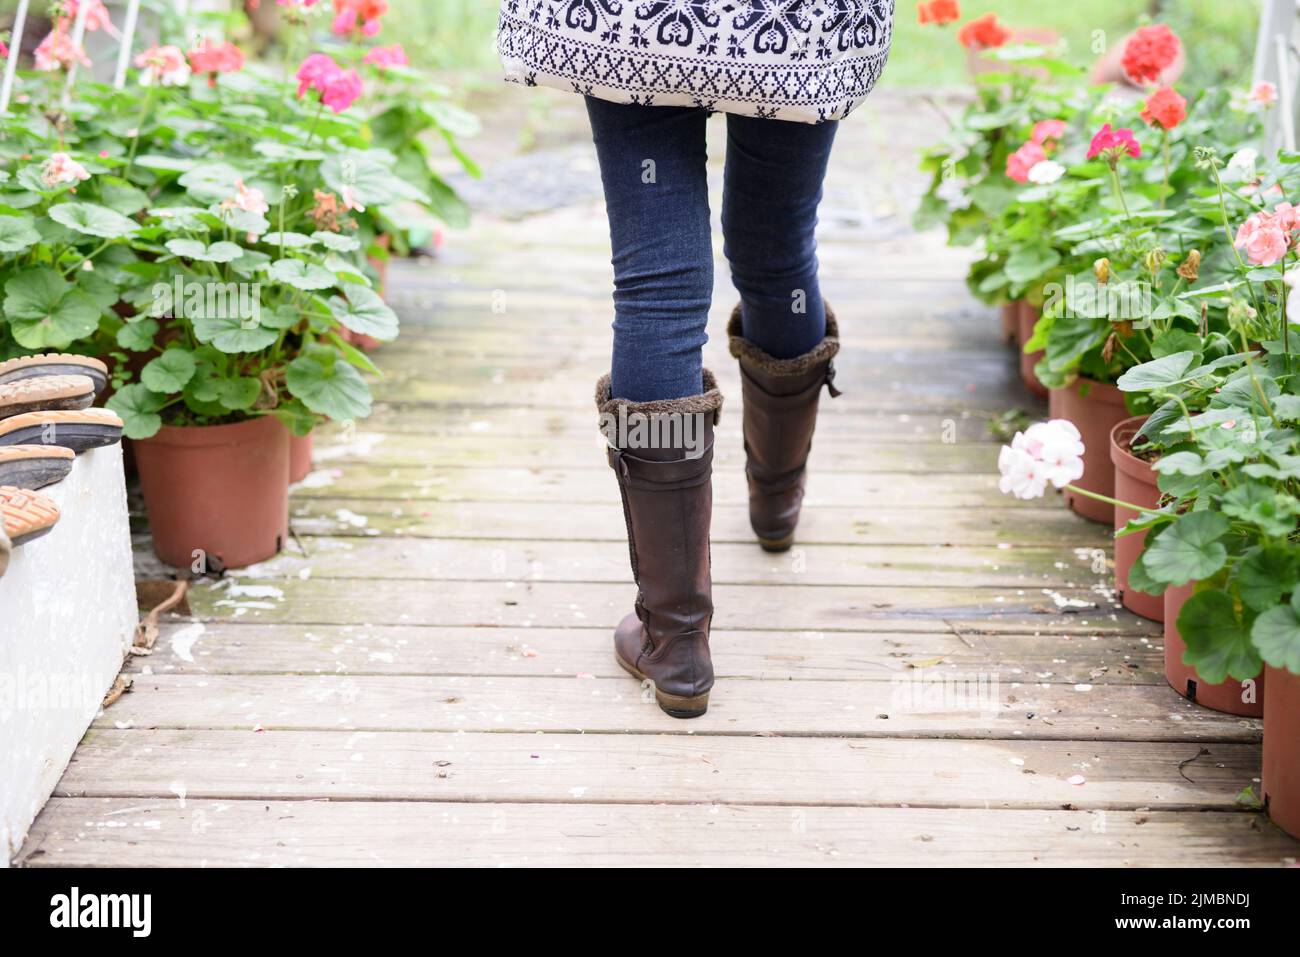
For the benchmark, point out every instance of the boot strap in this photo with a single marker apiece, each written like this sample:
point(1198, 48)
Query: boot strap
point(651, 476)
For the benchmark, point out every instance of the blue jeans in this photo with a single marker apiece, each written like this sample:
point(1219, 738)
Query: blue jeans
point(653, 167)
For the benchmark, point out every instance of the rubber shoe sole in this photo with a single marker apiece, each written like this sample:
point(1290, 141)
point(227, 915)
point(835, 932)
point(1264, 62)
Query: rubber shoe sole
point(29, 367)
point(26, 515)
point(675, 706)
point(34, 466)
point(80, 431)
point(46, 394)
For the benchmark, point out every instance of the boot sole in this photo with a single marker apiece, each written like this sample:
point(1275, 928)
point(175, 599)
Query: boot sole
point(80, 431)
point(34, 466)
point(29, 367)
point(777, 545)
point(675, 706)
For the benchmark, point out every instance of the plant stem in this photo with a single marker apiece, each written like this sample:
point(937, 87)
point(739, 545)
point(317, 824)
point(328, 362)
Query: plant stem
point(1140, 509)
point(145, 106)
point(1164, 146)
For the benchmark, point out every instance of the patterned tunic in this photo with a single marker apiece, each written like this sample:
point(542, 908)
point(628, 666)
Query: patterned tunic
point(804, 60)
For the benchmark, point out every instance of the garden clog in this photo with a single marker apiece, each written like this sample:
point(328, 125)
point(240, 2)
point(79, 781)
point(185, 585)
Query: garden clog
point(30, 367)
point(79, 430)
point(34, 466)
point(26, 515)
point(46, 393)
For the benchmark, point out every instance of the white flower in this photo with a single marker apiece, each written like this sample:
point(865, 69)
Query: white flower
point(1293, 297)
point(1045, 452)
point(1241, 168)
point(1046, 172)
point(1021, 475)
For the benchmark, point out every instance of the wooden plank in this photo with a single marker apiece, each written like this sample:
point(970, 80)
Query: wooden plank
point(670, 769)
point(458, 559)
point(598, 605)
point(380, 450)
point(80, 832)
point(246, 648)
point(603, 522)
point(946, 706)
point(576, 486)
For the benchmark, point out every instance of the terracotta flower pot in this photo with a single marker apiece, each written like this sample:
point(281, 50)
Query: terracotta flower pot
point(1282, 750)
point(1135, 481)
point(1095, 408)
point(300, 451)
point(1011, 322)
point(219, 490)
point(1231, 697)
point(1028, 316)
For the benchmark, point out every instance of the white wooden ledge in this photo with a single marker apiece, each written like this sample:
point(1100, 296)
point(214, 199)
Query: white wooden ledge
point(67, 616)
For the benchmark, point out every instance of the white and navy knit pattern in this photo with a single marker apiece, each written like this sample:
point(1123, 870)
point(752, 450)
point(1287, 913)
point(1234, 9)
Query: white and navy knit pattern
point(804, 60)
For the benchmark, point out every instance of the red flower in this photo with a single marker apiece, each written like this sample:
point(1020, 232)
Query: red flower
point(939, 12)
point(1149, 52)
point(1110, 145)
point(1024, 159)
point(1048, 132)
point(214, 58)
point(1165, 108)
point(984, 33)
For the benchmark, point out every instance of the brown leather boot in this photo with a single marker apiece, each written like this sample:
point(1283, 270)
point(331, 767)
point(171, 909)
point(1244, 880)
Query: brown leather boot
point(781, 398)
point(668, 504)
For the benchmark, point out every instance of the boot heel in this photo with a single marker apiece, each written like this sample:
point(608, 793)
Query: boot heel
point(675, 706)
point(776, 546)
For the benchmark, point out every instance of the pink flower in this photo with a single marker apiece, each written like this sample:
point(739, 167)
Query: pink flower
point(350, 15)
point(341, 90)
point(97, 17)
point(216, 58)
point(1112, 144)
point(1045, 452)
point(1264, 93)
point(61, 168)
point(313, 71)
point(1047, 131)
point(163, 65)
point(385, 57)
point(338, 88)
point(1288, 217)
point(57, 51)
point(4, 51)
point(350, 201)
point(1264, 239)
point(248, 199)
point(1023, 160)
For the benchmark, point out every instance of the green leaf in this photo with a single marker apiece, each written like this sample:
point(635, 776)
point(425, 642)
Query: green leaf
point(365, 312)
point(326, 386)
point(93, 220)
point(1218, 644)
point(121, 197)
point(1030, 262)
point(193, 249)
point(1160, 373)
point(212, 182)
point(289, 240)
point(1276, 636)
point(1189, 549)
point(170, 372)
point(336, 241)
point(301, 275)
point(139, 335)
point(138, 408)
point(239, 393)
point(1273, 513)
point(1266, 574)
point(233, 335)
point(17, 234)
point(46, 312)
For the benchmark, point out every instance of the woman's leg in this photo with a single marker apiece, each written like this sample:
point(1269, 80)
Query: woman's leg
point(782, 333)
point(652, 165)
point(652, 162)
point(773, 187)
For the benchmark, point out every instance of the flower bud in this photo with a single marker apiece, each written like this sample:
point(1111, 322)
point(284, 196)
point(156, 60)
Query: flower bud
point(1101, 269)
point(1191, 267)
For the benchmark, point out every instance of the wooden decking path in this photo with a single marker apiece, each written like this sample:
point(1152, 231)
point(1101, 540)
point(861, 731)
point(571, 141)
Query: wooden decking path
point(429, 678)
